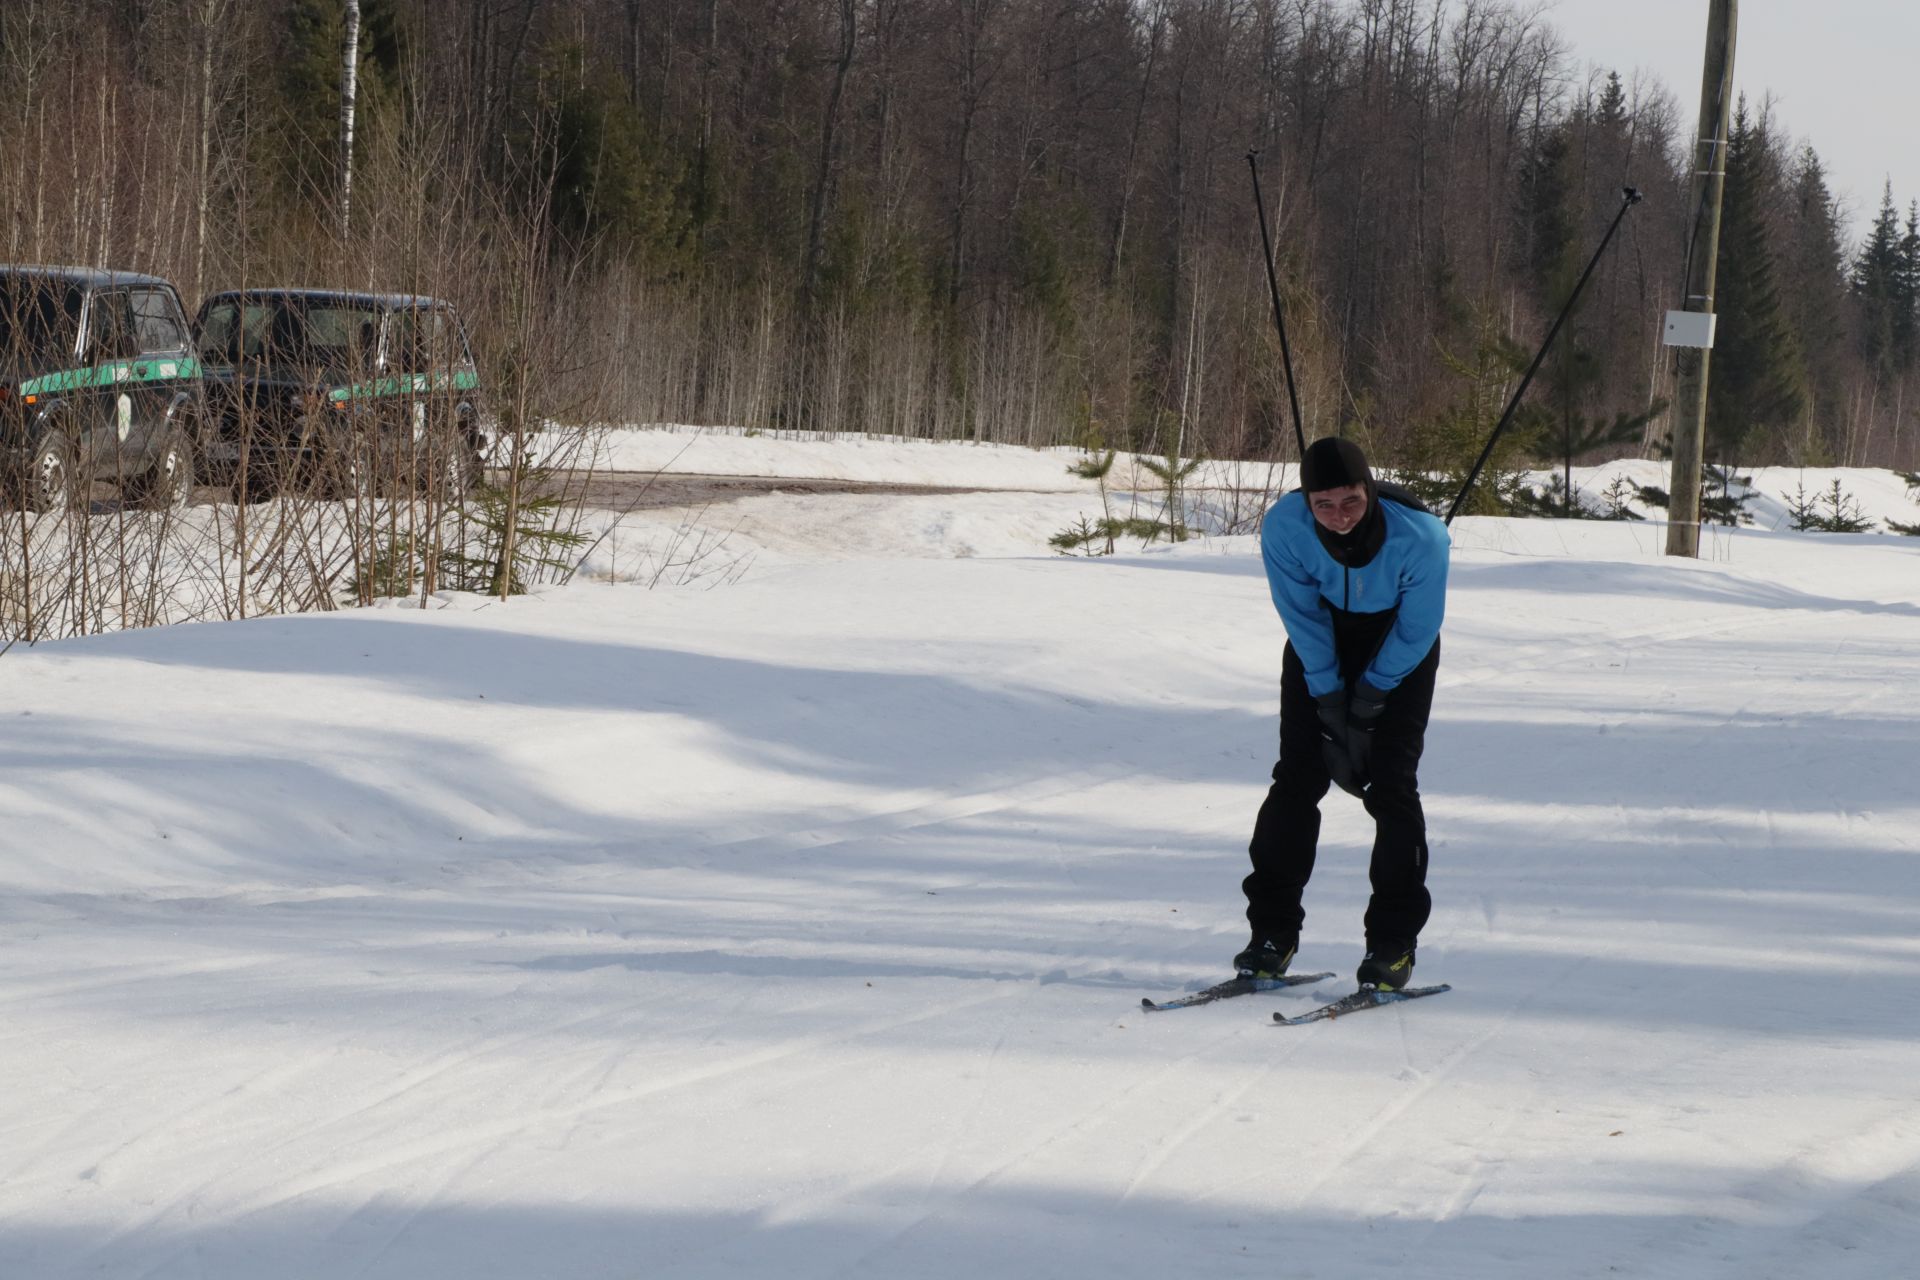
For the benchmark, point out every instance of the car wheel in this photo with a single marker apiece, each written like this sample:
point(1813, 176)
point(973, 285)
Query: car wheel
point(459, 469)
point(168, 486)
point(354, 479)
point(255, 487)
point(50, 483)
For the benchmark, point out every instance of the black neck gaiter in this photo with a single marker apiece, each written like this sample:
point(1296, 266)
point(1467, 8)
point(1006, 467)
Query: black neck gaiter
point(1332, 463)
point(1357, 547)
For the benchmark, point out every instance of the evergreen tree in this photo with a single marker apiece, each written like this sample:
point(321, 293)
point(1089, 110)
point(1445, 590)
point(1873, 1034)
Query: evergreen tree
point(1604, 162)
point(1440, 450)
point(1814, 273)
point(608, 176)
point(1876, 277)
point(1549, 221)
point(1612, 112)
point(1573, 372)
point(1904, 326)
point(1759, 377)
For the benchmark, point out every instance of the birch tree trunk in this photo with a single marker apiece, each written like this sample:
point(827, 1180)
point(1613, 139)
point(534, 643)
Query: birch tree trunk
point(349, 84)
point(208, 15)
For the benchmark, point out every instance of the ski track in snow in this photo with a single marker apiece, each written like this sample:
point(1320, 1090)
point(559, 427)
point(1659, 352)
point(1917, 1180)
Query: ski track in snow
point(443, 1156)
point(763, 972)
point(1825, 1193)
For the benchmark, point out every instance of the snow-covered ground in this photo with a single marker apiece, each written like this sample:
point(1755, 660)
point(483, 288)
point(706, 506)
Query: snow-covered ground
point(798, 928)
point(721, 451)
point(1025, 496)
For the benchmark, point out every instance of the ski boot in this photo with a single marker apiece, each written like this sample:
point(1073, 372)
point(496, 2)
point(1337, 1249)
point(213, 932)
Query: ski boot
point(1387, 967)
point(1265, 957)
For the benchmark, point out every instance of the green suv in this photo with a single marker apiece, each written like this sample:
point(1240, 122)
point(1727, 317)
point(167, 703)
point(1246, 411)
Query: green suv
point(353, 392)
point(98, 381)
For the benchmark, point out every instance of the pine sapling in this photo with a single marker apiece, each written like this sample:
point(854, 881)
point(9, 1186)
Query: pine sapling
point(514, 544)
point(1729, 506)
point(1912, 479)
point(1834, 511)
point(1082, 536)
point(1173, 475)
point(1620, 492)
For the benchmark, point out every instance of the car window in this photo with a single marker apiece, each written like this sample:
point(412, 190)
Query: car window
point(39, 320)
point(219, 324)
point(337, 340)
point(157, 325)
point(290, 334)
point(462, 352)
point(110, 327)
point(231, 331)
point(422, 341)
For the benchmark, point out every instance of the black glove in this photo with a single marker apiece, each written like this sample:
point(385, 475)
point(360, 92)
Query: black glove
point(1363, 717)
point(1334, 746)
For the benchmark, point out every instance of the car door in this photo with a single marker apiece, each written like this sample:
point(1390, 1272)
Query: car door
point(230, 341)
point(402, 362)
point(427, 349)
point(164, 374)
point(103, 407)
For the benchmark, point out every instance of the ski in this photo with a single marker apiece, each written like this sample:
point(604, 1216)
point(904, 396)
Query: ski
point(1234, 987)
point(1366, 998)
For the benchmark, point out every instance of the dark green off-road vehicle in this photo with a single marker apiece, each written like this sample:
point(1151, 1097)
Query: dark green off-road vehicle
point(98, 381)
point(352, 393)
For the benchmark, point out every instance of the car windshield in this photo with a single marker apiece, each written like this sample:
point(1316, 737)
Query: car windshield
point(334, 341)
point(39, 320)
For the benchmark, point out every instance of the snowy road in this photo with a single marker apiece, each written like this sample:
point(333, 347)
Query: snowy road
point(798, 928)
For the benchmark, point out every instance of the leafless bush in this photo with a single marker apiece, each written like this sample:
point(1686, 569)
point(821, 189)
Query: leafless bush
point(311, 503)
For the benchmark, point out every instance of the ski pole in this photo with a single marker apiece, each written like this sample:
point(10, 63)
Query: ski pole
point(1273, 287)
point(1629, 198)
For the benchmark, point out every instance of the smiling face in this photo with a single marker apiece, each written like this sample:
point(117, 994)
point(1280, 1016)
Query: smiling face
point(1338, 510)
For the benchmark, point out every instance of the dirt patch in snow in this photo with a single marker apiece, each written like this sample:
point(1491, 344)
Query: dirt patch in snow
point(641, 490)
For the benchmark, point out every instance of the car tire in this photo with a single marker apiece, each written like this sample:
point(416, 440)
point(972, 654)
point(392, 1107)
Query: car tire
point(459, 470)
point(168, 484)
point(352, 478)
point(256, 490)
point(51, 481)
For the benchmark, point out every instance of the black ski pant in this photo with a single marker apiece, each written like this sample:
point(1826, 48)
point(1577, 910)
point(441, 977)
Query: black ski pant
point(1287, 831)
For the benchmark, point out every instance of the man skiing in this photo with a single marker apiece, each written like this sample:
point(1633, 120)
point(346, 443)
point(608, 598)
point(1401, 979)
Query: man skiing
point(1358, 571)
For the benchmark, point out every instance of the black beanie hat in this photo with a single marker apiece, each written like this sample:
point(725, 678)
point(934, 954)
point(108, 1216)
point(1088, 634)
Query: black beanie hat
point(1331, 463)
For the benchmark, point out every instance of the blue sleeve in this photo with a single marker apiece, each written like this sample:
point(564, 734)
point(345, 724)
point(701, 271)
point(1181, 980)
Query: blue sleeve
point(1423, 605)
point(1297, 596)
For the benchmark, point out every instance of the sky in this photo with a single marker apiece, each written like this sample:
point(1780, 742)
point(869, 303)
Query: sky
point(1838, 70)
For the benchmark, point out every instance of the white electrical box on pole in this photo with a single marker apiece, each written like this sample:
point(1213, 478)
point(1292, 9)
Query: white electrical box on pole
point(1690, 329)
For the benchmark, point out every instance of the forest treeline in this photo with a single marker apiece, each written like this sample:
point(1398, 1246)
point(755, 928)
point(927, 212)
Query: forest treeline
point(1017, 220)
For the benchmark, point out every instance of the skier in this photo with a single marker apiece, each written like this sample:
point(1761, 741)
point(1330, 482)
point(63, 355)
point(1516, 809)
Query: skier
point(1358, 571)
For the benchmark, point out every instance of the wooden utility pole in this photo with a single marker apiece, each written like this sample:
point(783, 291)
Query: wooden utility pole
point(1703, 248)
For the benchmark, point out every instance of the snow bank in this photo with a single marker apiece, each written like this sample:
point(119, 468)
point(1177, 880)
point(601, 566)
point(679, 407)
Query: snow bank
point(726, 451)
point(1881, 494)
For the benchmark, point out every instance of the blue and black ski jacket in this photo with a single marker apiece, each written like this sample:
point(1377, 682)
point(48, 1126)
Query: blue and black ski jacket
point(1402, 589)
